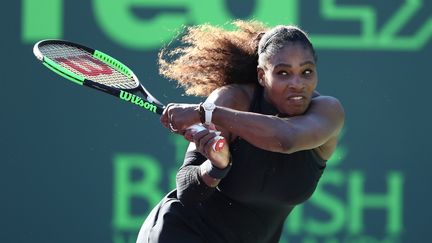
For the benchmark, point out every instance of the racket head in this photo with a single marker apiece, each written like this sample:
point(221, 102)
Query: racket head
point(79, 63)
point(93, 68)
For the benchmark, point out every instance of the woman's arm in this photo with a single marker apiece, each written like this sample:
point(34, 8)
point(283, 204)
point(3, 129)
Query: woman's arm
point(190, 186)
point(322, 121)
point(193, 181)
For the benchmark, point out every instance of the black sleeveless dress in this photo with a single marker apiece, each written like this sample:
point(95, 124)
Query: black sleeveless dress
point(249, 205)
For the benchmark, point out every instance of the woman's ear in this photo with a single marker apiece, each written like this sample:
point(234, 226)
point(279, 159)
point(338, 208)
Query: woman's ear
point(261, 75)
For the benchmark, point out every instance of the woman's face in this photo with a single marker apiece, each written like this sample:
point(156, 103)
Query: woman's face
point(289, 79)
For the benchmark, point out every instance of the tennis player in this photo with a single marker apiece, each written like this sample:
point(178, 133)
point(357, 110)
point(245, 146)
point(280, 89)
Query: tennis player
point(260, 86)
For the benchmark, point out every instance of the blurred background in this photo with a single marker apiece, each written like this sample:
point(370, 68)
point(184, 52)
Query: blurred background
point(80, 166)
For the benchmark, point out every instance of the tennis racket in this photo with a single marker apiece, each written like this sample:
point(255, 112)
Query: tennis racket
point(95, 69)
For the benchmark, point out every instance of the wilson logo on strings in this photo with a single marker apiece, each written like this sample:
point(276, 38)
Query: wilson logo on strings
point(86, 65)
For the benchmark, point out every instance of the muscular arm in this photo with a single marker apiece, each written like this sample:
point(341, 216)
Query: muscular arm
point(322, 121)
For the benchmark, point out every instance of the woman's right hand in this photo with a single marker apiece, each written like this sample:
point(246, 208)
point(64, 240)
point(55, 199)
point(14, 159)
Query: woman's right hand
point(204, 141)
point(178, 117)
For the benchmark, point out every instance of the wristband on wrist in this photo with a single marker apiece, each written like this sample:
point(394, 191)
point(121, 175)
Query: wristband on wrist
point(214, 171)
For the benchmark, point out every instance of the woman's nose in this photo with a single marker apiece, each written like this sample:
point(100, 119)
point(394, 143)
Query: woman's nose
point(296, 83)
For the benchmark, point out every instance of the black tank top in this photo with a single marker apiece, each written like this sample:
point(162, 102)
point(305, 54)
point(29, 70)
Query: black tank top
point(262, 188)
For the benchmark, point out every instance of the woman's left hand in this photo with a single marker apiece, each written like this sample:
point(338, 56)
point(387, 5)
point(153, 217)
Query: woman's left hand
point(178, 117)
point(204, 141)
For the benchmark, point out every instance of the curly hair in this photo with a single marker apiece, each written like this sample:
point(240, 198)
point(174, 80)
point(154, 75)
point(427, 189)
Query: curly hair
point(211, 57)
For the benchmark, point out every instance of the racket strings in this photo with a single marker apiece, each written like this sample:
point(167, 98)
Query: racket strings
point(85, 65)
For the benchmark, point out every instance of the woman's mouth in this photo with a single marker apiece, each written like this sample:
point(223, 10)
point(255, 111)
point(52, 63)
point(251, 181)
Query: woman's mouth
point(296, 98)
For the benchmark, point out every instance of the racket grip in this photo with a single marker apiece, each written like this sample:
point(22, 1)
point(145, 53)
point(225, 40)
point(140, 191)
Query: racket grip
point(220, 141)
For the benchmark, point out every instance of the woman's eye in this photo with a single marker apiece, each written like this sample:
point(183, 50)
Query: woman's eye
point(307, 72)
point(284, 73)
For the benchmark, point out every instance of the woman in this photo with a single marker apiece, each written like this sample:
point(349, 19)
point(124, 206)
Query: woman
point(279, 133)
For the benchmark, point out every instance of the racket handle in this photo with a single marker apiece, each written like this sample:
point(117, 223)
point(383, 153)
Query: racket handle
point(220, 141)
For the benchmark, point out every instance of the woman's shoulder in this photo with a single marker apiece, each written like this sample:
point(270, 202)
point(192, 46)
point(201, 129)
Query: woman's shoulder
point(327, 103)
point(235, 96)
point(330, 108)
